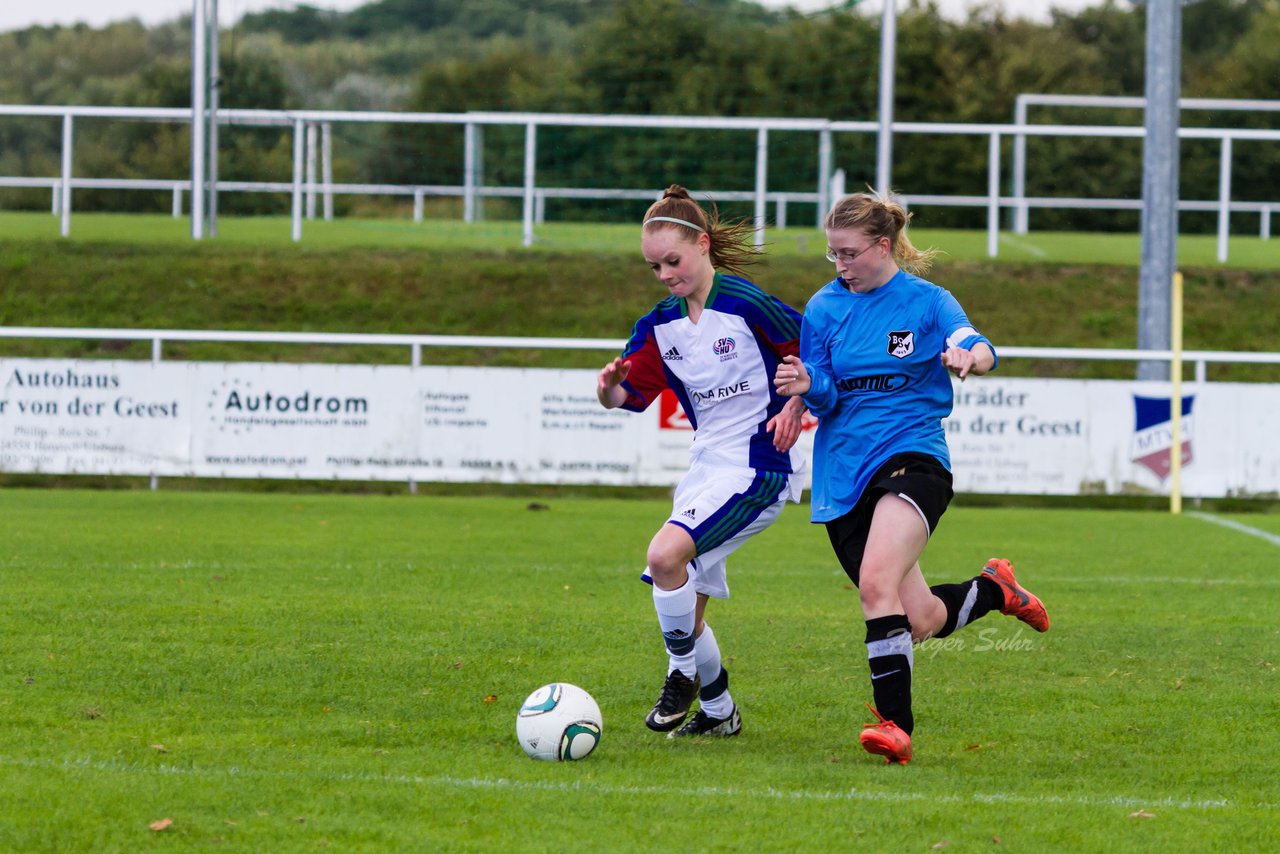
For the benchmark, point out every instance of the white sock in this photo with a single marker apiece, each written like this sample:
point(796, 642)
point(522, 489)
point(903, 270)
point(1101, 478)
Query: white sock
point(715, 680)
point(676, 612)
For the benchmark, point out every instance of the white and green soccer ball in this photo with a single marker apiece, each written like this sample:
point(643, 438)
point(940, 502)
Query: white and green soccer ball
point(558, 723)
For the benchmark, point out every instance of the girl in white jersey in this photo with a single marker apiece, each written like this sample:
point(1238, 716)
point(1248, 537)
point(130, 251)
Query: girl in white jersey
point(877, 351)
point(715, 341)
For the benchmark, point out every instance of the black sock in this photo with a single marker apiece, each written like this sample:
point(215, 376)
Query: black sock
point(715, 687)
point(966, 602)
point(889, 653)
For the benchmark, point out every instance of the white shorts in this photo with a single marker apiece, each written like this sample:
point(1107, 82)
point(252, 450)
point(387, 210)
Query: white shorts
point(722, 509)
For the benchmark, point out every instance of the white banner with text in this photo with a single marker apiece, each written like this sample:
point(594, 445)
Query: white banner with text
point(511, 425)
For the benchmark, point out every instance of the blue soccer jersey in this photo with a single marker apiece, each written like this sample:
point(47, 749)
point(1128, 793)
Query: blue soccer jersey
point(879, 386)
point(721, 370)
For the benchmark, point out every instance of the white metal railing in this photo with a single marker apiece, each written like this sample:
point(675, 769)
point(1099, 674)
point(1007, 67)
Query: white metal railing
point(415, 343)
point(181, 187)
point(1026, 100)
point(304, 186)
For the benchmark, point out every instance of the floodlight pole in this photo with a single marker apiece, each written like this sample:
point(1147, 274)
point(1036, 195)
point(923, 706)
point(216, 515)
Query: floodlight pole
point(215, 81)
point(198, 84)
point(1159, 181)
point(884, 138)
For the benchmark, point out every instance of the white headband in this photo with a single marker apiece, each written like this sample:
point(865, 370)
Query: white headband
point(683, 222)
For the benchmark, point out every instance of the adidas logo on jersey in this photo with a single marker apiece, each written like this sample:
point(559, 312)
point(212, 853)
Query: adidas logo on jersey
point(672, 355)
point(690, 513)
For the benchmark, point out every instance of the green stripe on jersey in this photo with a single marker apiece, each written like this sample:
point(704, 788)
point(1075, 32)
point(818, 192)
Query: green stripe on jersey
point(769, 486)
point(744, 291)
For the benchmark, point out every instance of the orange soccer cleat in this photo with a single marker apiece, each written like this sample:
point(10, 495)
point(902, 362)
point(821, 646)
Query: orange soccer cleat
point(887, 739)
point(1018, 602)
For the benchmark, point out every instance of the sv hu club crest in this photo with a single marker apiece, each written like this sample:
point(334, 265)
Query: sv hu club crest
point(902, 344)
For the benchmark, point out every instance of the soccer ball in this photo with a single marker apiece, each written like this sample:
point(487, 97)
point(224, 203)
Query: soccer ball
point(559, 722)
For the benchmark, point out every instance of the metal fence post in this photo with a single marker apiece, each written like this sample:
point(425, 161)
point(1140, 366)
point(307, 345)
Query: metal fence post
point(470, 157)
point(65, 205)
point(1159, 181)
point(1224, 199)
point(313, 145)
point(888, 61)
point(993, 195)
point(530, 163)
point(415, 361)
point(155, 360)
point(199, 87)
point(298, 146)
point(762, 183)
point(824, 175)
point(1021, 219)
point(326, 167)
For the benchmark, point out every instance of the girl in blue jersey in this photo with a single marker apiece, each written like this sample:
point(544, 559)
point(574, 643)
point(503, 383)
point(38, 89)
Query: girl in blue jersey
point(715, 341)
point(877, 351)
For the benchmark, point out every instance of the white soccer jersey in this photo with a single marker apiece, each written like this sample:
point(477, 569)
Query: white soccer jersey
point(721, 370)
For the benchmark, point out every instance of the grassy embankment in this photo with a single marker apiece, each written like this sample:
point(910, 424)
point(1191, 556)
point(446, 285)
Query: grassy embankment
point(444, 277)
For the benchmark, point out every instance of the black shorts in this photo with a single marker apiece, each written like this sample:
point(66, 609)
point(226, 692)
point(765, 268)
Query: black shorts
point(919, 478)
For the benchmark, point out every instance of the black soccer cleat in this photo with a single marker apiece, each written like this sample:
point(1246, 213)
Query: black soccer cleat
point(701, 724)
point(673, 706)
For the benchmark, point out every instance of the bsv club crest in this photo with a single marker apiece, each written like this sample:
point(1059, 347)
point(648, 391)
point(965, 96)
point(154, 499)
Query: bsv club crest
point(902, 344)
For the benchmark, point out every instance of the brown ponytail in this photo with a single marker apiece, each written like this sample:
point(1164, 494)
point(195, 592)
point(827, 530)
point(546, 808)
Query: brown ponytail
point(732, 243)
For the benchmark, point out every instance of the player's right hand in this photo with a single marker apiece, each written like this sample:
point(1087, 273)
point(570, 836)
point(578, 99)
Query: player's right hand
point(609, 383)
point(791, 378)
point(614, 373)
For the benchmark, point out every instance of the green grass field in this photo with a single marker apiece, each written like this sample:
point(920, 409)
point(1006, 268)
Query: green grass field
point(1199, 250)
point(307, 673)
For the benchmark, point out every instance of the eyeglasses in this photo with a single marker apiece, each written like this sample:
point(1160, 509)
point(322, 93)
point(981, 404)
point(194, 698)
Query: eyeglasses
point(848, 256)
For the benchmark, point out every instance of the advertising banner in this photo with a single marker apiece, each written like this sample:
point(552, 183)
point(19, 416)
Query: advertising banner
point(303, 421)
point(1073, 437)
point(508, 425)
point(94, 417)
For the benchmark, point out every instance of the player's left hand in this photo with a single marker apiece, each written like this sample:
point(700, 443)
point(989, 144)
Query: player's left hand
point(787, 424)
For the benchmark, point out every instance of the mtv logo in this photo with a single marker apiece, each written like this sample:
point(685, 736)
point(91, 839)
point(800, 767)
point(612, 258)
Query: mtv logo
point(1153, 433)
